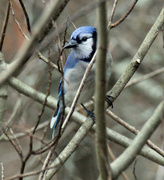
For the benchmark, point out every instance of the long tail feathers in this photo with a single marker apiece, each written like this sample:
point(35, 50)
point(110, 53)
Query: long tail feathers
point(55, 120)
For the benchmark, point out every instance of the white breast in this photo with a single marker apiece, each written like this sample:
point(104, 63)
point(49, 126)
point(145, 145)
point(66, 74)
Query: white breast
point(72, 80)
point(73, 77)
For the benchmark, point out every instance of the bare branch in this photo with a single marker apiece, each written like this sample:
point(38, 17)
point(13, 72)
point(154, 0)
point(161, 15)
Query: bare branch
point(137, 59)
point(112, 156)
point(17, 148)
point(69, 149)
point(46, 60)
point(39, 32)
point(32, 93)
point(51, 102)
point(3, 93)
point(28, 131)
point(122, 162)
point(81, 133)
point(45, 101)
point(134, 130)
point(2, 171)
point(39, 97)
point(46, 162)
point(145, 77)
point(100, 90)
point(15, 19)
point(124, 17)
point(26, 16)
point(4, 27)
point(112, 13)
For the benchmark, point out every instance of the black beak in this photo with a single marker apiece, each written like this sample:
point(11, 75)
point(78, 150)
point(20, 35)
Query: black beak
point(71, 44)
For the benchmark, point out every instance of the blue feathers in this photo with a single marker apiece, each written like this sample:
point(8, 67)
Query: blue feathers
point(71, 62)
point(83, 43)
point(81, 31)
point(56, 119)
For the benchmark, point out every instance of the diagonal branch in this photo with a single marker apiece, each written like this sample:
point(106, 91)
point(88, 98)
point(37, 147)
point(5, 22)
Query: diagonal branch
point(26, 15)
point(145, 77)
point(122, 162)
point(123, 17)
point(138, 58)
point(77, 117)
point(16, 21)
point(40, 30)
point(134, 130)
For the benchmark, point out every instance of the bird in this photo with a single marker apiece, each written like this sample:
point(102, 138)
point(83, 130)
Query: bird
point(83, 43)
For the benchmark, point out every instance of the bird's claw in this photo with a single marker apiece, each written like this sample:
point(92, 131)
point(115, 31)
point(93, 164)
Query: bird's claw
point(90, 113)
point(109, 101)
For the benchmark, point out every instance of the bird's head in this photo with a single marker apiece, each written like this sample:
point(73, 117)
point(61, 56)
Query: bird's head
point(83, 42)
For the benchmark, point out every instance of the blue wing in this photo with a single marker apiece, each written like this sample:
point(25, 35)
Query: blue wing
point(70, 63)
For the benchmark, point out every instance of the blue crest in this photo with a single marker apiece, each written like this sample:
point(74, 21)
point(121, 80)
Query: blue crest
point(83, 29)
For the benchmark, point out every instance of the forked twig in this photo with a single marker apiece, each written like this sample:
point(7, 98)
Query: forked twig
point(125, 16)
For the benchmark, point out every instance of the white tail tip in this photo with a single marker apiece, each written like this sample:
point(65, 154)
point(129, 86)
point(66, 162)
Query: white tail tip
point(53, 120)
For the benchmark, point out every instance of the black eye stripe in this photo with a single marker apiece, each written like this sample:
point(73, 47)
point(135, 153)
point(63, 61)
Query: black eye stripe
point(84, 38)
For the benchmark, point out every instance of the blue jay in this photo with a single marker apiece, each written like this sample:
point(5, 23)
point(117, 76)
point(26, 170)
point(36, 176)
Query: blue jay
point(83, 43)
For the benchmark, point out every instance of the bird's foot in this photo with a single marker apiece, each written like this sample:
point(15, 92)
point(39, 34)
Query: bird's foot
point(90, 113)
point(109, 101)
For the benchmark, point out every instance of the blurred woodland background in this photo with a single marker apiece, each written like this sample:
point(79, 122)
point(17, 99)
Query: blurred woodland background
point(134, 105)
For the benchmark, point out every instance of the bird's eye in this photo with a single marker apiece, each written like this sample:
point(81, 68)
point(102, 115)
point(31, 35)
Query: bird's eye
point(84, 38)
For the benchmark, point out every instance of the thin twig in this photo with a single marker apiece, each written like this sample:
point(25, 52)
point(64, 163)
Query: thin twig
point(46, 162)
point(145, 77)
point(14, 112)
point(28, 131)
point(122, 162)
point(134, 131)
point(15, 146)
point(123, 17)
point(54, 66)
point(17, 142)
point(4, 26)
point(40, 30)
point(76, 16)
point(33, 173)
point(47, 94)
point(16, 21)
point(134, 169)
point(26, 16)
point(138, 58)
point(78, 92)
point(2, 171)
point(80, 134)
point(30, 152)
point(60, 60)
point(112, 13)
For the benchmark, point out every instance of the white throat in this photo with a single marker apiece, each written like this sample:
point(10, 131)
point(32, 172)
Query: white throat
point(83, 50)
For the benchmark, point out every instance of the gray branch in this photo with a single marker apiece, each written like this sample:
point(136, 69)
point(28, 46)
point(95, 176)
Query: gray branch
point(127, 157)
point(3, 93)
point(39, 31)
point(100, 90)
point(139, 56)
